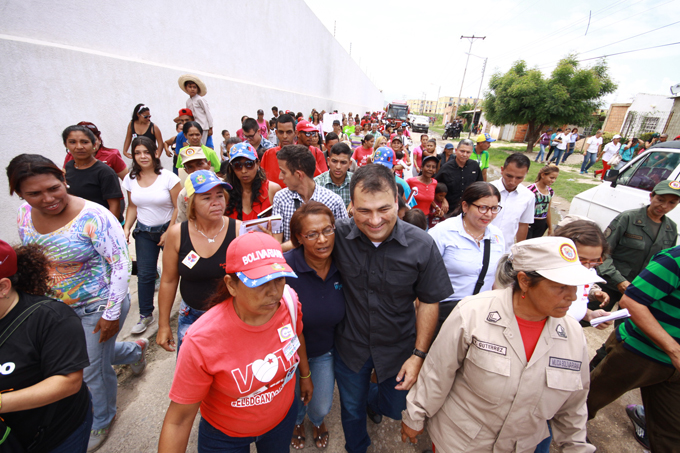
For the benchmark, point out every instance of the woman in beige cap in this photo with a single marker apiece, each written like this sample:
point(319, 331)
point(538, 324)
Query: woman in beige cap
point(508, 360)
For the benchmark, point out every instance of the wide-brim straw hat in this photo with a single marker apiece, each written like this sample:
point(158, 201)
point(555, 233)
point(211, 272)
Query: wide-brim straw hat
point(203, 90)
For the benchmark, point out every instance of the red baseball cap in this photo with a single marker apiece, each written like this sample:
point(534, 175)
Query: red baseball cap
point(256, 258)
point(306, 126)
point(183, 112)
point(8, 260)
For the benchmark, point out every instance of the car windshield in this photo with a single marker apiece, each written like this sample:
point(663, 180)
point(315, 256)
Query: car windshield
point(399, 112)
point(649, 170)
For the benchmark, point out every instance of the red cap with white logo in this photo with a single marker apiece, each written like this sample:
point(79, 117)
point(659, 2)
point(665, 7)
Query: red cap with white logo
point(8, 260)
point(257, 258)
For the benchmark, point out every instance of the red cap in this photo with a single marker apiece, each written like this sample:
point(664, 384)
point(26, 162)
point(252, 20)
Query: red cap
point(306, 126)
point(8, 260)
point(256, 258)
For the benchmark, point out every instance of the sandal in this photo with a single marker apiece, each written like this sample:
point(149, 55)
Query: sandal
point(321, 438)
point(298, 440)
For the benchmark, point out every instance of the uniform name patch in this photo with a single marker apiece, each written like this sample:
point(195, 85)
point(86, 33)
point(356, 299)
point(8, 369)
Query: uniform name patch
point(483, 345)
point(633, 236)
point(565, 364)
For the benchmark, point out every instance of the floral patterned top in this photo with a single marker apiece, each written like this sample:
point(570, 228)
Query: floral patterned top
point(89, 255)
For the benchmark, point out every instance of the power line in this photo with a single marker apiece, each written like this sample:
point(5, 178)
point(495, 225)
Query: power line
point(631, 51)
point(631, 37)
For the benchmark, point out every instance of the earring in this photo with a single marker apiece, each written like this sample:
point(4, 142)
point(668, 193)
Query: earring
point(524, 295)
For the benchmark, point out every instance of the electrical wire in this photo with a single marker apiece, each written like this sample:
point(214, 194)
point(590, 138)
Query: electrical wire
point(631, 37)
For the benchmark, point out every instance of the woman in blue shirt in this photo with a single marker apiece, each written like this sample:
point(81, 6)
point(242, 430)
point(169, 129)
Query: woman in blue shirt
point(319, 289)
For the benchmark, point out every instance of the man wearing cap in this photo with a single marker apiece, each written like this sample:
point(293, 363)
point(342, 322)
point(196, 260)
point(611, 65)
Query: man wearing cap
point(611, 149)
point(386, 264)
point(193, 159)
point(196, 89)
point(252, 133)
point(459, 173)
point(644, 352)
point(480, 153)
point(297, 167)
point(447, 155)
point(656, 138)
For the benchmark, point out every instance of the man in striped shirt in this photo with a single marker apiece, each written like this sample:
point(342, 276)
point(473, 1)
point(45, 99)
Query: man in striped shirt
point(644, 352)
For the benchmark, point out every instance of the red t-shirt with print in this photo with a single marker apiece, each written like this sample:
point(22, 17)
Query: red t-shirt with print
point(237, 371)
point(361, 155)
point(425, 195)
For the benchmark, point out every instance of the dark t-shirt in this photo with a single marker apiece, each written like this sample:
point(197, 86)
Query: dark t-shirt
point(97, 183)
point(457, 179)
point(323, 302)
point(50, 342)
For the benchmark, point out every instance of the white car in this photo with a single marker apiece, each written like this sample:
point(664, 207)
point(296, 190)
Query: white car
point(420, 124)
point(631, 186)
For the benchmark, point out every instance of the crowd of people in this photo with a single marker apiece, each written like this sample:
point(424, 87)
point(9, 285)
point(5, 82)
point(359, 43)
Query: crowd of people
point(307, 256)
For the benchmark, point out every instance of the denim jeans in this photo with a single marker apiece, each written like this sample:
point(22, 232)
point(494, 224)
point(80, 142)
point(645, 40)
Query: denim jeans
point(323, 379)
point(557, 155)
point(187, 316)
point(100, 376)
point(147, 248)
point(356, 392)
point(544, 446)
point(276, 440)
point(570, 151)
point(541, 153)
point(589, 160)
point(77, 441)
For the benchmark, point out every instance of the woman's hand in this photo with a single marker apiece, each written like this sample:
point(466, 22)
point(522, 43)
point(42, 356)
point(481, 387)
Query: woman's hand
point(108, 329)
point(168, 151)
point(408, 433)
point(267, 229)
point(306, 390)
point(592, 314)
point(126, 230)
point(161, 243)
point(164, 338)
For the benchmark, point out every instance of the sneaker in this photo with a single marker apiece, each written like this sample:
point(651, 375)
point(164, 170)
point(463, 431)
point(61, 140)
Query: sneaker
point(143, 323)
point(157, 284)
point(139, 365)
point(636, 413)
point(98, 437)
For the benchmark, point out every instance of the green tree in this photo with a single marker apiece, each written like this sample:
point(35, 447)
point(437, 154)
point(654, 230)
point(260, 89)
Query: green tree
point(465, 108)
point(569, 96)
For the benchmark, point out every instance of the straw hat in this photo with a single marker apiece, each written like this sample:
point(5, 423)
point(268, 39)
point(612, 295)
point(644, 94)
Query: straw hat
point(203, 90)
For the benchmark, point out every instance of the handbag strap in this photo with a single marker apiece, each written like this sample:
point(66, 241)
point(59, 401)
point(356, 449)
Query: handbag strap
point(485, 266)
point(290, 303)
point(19, 321)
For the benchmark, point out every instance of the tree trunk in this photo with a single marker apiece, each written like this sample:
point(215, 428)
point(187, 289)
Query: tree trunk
point(533, 135)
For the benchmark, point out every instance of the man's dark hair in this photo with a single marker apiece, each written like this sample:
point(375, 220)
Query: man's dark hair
point(275, 108)
point(332, 136)
point(519, 159)
point(416, 217)
point(250, 125)
point(373, 178)
point(340, 148)
point(298, 157)
point(285, 118)
point(441, 188)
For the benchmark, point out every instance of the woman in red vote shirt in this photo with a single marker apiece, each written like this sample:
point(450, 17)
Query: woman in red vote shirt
point(362, 155)
point(425, 183)
point(238, 363)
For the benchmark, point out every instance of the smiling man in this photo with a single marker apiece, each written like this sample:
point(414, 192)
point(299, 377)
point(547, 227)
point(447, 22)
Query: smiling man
point(338, 176)
point(386, 264)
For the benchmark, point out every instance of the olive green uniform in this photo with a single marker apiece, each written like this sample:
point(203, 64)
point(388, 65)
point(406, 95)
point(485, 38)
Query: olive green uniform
point(633, 241)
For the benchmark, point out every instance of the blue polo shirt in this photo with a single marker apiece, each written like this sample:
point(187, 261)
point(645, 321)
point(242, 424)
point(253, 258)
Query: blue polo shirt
point(323, 302)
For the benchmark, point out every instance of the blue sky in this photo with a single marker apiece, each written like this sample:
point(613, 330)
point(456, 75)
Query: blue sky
point(411, 47)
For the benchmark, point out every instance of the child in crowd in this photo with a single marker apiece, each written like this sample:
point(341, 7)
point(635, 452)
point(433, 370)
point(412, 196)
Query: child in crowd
point(272, 132)
point(436, 214)
point(196, 89)
point(402, 207)
point(417, 218)
point(544, 193)
point(223, 146)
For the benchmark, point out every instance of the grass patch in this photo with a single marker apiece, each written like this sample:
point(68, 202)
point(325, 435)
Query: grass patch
point(562, 187)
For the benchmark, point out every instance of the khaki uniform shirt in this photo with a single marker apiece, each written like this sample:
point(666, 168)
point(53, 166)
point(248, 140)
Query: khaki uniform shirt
point(633, 244)
point(478, 393)
point(182, 202)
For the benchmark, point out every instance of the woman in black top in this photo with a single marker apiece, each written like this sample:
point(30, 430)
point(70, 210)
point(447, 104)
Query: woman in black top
point(43, 398)
point(195, 250)
point(88, 177)
point(141, 126)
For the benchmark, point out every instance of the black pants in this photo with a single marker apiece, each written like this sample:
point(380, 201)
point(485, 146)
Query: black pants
point(537, 229)
point(552, 148)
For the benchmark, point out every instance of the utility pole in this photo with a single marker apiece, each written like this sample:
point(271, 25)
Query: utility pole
point(474, 109)
point(472, 40)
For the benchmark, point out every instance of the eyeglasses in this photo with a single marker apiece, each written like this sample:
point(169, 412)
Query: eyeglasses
point(314, 235)
point(311, 134)
point(591, 263)
point(485, 209)
point(249, 164)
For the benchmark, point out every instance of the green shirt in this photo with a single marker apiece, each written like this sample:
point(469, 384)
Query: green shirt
point(657, 288)
point(482, 159)
point(210, 154)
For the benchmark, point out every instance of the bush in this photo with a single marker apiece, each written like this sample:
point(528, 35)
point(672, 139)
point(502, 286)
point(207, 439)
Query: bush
point(647, 136)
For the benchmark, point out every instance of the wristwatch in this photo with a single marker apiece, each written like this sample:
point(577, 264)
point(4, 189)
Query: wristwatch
point(418, 353)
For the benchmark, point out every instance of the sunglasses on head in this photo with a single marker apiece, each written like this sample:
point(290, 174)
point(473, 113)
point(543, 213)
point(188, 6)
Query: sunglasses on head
point(249, 164)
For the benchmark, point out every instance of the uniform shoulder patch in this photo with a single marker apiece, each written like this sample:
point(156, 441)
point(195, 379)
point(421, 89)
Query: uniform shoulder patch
point(494, 316)
point(560, 331)
point(638, 222)
point(607, 232)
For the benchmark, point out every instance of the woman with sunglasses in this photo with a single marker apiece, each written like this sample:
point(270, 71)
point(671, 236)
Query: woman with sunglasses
point(319, 289)
point(141, 126)
point(462, 240)
point(252, 193)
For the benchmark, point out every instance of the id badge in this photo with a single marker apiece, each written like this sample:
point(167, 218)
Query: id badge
point(291, 374)
point(291, 347)
point(191, 259)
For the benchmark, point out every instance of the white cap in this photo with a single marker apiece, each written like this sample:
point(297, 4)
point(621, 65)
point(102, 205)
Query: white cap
point(554, 258)
point(616, 136)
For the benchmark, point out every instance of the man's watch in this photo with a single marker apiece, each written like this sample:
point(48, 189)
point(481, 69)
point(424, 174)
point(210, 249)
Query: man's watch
point(418, 353)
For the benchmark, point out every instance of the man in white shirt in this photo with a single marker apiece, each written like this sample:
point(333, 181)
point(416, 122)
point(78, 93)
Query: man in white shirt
point(611, 150)
point(517, 201)
point(562, 141)
point(590, 157)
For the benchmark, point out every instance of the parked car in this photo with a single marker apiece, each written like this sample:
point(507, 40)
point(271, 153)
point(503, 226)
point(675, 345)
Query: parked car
point(420, 124)
point(630, 187)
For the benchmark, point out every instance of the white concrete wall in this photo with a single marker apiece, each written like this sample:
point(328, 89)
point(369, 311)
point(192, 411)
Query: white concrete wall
point(75, 60)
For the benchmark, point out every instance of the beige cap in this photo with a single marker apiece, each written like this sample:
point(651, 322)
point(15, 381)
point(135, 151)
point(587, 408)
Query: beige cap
point(554, 258)
point(190, 153)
